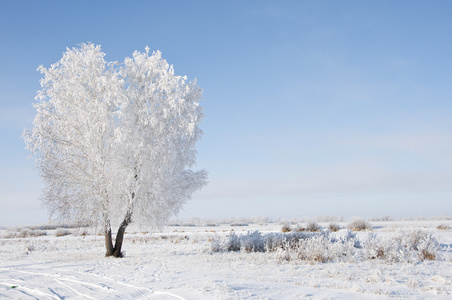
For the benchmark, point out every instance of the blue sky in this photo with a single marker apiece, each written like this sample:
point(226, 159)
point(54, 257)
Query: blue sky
point(312, 107)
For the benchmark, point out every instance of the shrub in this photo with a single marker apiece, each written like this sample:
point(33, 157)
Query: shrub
point(321, 248)
point(233, 243)
point(83, 232)
point(358, 224)
point(254, 241)
point(387, 218)
point(314, 249)
point(410, 246)
point(283, 255)
point(442, 227)
point(62, 232)
point(373, 247)
point(43, 227)
point(16, 232)
point(313, 227)
point(333, 227)
point(286, 228)
point(300, 229)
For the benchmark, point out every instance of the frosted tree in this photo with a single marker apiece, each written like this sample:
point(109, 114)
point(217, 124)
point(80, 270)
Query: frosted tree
point(114, 143)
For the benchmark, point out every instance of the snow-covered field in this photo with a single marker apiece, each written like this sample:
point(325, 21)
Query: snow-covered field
point(178, 263)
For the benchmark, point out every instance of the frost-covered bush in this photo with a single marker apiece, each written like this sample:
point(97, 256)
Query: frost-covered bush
point(404, 246)
point(313, 227)
point(233, 243)
point(15, 232)
point(373, 247)
point(31, 233)
point(443, 227)
point(56, 226)
point(333, 227)
point(422, 243)
point(315, 249)
point(300, 228)
point(254, 241)
point(275, 241)
point(286, 228)
point(385, 218)
point(358, 224)
point(9, 234)
point(282, 255)
point(43, 227)
point(62, 232)
point(410, 246)
point(350, 237)
point(251, 242)
point(322, 248)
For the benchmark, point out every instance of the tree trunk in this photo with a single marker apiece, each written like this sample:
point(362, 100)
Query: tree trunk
point(120, 235)
point(118, 243)
point(108, 240)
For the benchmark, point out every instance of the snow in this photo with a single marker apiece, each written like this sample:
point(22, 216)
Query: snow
point(177, 263)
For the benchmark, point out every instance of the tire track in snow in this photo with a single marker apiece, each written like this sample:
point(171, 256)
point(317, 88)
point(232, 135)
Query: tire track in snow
point(100, 286)
point(136, 287)
point(34, 293)
point(75, 291)
point(57, 278)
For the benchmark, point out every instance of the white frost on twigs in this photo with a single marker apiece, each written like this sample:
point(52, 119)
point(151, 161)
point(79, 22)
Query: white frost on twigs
point(110, 138)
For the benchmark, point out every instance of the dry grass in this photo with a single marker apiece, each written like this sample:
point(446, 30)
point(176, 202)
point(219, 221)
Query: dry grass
point(333, 227)
point(379, 253)
point(312, 227)
point(12, 233)
point(62, 232)
point(359, 225)
point(286, 228)
point(443, 227)
point(300, 229)
point(427, 255)
point(83, 232)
